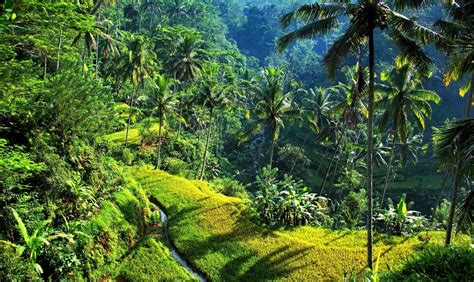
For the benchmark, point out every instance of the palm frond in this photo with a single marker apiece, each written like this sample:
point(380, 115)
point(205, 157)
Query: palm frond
point(402, 5)
point(411, 52)
point(307, 31)
point(348, 42)
point(313, 12)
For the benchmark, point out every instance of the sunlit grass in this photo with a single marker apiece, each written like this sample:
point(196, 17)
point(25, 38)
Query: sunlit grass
point(212, 232)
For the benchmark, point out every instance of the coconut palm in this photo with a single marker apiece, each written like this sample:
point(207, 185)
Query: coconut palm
point(151, 7)
point(165, 103)
point(318, 110)
point(403, 98)
point(136, 66)
point(274, 105)
point(214, 93)
point(453, 146)
point(365, 17)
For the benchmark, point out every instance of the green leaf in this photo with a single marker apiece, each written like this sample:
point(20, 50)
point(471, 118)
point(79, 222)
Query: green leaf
point(21, 226)
point(13, 16)
point(465, 88)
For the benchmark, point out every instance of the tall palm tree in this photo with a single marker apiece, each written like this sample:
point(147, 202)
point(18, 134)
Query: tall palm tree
point(404, 98)
point(273, 106)
point(185, 61)
point(365, 16)
point(165, 103)
point(213, 94)
point(136, 66)
point(457, 29)
point(453, 146)
point(177, 9)
point(318, 111)
point(151, 7)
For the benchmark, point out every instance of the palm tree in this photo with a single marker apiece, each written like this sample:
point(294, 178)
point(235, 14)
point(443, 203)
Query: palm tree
point(136, 66)
point(453, 147)
point(185, 62)
point(318, 112)
point(151, 7)
point(404, 97)
point(365, 17)
point(458, 46)
point(164, 102)
point(177, 9)
point(213, 94)
point(273, 106)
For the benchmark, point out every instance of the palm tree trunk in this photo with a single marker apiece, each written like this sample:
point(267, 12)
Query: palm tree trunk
point(204, 159)
point(469, 101)
point(452, 210)
point(272, 148)
point(129, 115)
point(388, 177)
point(59, 48)
point(45, 67)
point(299, 152)
point(158, 164)
point(370, 151)
point(326, 174)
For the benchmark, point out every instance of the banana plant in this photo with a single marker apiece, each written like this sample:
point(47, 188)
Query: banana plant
point(34, 243)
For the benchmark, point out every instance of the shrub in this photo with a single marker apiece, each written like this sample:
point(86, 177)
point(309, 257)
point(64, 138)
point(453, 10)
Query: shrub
point(230, 187)
point(14, 268)
point(176, 166)
point(353, 208)
point(437, 264)
point(398, 219)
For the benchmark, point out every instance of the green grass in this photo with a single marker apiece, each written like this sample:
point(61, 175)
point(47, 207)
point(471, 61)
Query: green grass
point(152, 261)
point(212, 231)
point(117, 248)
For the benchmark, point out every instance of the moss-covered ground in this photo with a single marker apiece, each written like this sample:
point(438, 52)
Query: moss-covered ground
point(213, 233)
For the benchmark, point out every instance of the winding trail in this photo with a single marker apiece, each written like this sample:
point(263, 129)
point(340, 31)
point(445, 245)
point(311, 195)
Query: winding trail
point(174, 251)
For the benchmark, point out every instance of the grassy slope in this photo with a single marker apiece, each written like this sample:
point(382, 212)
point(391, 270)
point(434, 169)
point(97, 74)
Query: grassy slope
point(117, 248)
point(210, 230)
point(152, 261)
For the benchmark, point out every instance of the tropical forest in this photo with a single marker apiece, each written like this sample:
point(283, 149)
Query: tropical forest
point(236, 140)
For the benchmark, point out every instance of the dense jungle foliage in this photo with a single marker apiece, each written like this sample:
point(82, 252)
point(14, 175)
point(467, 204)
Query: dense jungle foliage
point(284, 139)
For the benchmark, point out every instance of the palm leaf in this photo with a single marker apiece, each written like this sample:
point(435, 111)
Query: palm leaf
point(307, 31)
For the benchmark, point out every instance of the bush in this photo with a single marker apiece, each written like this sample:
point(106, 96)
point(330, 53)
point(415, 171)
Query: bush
point(230, 187)
point(176, 166)
point(353, 208)
point(437, 264)
point(14, 268)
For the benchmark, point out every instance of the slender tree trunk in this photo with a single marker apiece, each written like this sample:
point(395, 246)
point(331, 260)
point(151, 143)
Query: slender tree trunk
point(440, 195)
point(469, 101)
point(299, 152)
point(97, 56)
point(452, 210)
point(272, 148)
point(158, 164)
point(326, 174)
point(132, 98)
point(59, 48)
point(204, 159)
point(45, 67)
point(84, 60)
point(370, 150)
point(389, 168)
